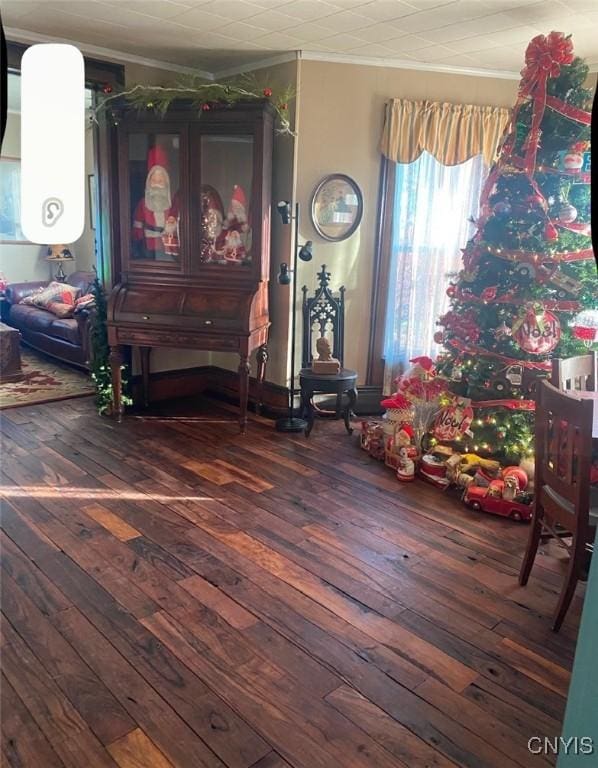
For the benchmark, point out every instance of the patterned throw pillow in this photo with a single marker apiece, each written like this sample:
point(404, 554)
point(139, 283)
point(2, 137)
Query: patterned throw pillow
point(53, 292)
point(84, 302)
point(60, 309)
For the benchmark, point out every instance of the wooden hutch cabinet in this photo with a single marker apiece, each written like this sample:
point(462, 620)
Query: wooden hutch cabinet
point(192, 238)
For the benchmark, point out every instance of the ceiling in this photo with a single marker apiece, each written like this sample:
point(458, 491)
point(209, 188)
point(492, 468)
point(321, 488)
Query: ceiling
point(216, 36)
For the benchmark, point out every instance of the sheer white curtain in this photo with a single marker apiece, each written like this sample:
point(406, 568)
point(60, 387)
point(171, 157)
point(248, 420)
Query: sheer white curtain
point(430, 224)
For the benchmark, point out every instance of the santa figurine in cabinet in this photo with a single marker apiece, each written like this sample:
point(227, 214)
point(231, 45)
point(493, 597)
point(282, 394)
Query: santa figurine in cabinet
point(156, 218)
point(234, 242)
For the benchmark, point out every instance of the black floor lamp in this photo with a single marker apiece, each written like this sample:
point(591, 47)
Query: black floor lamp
point(291, 423)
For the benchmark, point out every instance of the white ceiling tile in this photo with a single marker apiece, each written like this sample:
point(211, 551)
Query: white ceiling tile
point(231, 10)
point(374, 49)
point(241, 31)
point(384, 10)
point(407, 43)
point(308, 10)
point(344, 42)
point(219, 34)
point(198, 18)
point(272, 20)
point(15, 9)
point(278, 41)
point(309, 30)
point(378, 33)
point(537, 14)
point(579, 6)
point(344, 22)
point(160, 9)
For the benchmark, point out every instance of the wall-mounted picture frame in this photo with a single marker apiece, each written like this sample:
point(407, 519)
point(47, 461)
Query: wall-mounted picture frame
point(91, 193)
point(336, 207)
point(10, 202)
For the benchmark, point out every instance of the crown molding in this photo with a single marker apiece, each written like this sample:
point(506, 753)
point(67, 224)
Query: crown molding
point(392, 63)
point(25, 36)
point(283, 58)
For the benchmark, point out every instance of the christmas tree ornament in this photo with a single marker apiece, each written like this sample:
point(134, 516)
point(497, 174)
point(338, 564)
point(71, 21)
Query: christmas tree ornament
point(106, 88)
point(585, 326)
point(502, 332)
point(267, 92)
point(572, 161)
point(566, 213)
point(453, 420)
point(502, 208)
point(551, 233)
point(537, 331)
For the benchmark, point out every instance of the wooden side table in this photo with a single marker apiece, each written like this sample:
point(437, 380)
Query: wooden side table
point(10, 354)
point(339, 384)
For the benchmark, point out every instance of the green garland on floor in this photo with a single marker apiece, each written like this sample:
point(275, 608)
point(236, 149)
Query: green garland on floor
point(100, 352)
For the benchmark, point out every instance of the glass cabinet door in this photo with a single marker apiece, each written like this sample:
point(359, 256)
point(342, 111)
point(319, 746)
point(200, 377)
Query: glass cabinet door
point(226, 212)
point(154, 172)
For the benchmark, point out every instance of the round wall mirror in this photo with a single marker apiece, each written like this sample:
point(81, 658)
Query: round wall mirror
point(336, 207)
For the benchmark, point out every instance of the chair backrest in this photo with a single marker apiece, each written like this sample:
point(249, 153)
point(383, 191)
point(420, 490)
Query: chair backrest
point(323, 316)
point(575, 373)
point(563, 453)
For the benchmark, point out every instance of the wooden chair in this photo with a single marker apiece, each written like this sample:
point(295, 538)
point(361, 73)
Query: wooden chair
point(562, 485)
point(575, 373)
point(324, 317)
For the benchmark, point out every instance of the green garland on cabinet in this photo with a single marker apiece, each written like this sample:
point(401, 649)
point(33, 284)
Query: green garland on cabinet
point(205, 95)
point(100, 352)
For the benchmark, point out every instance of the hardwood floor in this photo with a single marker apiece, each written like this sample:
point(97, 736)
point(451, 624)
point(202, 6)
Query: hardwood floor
point(176, 594)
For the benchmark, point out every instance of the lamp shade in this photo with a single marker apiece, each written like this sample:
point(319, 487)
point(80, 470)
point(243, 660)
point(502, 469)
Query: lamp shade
point(59, 253)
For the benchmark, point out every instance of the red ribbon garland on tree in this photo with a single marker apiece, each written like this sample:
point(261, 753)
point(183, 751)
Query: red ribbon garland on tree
point(474, 351)
point(512, 405)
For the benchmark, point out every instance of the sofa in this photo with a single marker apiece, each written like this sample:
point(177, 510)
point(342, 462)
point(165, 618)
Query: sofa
point(67, 339)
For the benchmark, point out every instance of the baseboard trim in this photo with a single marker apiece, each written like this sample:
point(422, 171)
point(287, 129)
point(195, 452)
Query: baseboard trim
point(223, 383)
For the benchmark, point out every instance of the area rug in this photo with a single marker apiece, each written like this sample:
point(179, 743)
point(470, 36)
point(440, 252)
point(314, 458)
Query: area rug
point(44, 380)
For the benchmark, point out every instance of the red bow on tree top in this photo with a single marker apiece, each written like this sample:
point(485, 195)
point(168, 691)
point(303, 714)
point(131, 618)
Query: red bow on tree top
point(543, 58)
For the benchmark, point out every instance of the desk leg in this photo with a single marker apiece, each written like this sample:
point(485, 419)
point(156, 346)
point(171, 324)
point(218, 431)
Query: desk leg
point(144, 354)
point(262, 360)
point(352, 393)
point(243, 390)
point(116, 361)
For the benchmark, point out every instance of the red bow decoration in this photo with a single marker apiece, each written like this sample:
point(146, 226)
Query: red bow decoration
point(543, 59)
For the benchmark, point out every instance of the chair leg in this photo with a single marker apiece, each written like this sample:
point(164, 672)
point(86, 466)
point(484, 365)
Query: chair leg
point(532, 545)
point(569, 586)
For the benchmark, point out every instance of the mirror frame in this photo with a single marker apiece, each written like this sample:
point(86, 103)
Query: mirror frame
point(317, 191)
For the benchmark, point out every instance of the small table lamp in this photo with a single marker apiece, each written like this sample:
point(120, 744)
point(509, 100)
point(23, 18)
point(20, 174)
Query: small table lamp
point(59, 253)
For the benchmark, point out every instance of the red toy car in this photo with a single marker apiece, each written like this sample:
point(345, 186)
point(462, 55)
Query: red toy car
point(490, 500)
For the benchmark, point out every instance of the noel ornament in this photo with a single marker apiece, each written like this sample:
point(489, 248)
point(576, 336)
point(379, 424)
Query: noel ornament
point(453, 420)
point(537, 332)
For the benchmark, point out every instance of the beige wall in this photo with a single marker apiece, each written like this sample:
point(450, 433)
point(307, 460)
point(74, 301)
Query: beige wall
point(25, 262)
point(341, 116)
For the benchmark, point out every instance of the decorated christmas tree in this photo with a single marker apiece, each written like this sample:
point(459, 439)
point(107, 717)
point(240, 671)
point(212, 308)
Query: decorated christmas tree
point(529, 270)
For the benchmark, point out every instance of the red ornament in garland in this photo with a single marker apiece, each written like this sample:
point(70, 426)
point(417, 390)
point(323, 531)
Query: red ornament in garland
point(106, 88)
point(551, 232)
point(267, 92)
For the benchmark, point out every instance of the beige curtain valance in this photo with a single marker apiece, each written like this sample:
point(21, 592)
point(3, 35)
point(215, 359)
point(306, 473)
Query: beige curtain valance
point(452, 133)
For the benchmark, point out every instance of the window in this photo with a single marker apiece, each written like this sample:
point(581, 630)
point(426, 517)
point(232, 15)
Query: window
point(430, 224)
